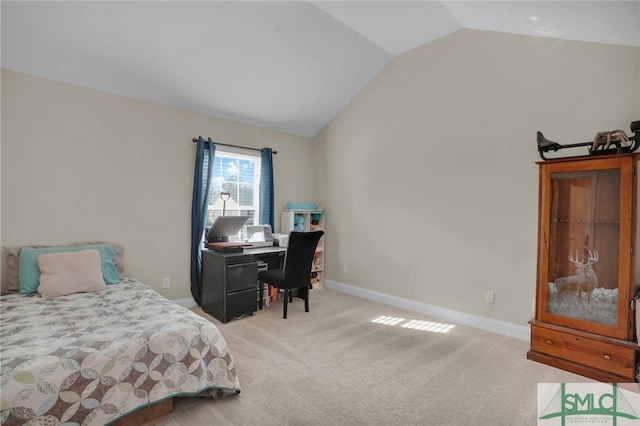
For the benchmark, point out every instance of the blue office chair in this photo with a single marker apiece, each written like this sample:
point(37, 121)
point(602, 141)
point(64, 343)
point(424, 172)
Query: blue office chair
point(296, 272)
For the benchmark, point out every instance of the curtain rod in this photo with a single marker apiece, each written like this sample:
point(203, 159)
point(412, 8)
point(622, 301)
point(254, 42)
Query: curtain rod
point(234, 146)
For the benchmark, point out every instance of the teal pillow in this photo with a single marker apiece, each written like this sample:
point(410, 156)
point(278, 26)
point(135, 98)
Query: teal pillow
point(29, 271)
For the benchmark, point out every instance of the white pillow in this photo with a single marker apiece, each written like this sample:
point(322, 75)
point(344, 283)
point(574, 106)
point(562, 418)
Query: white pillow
point(70, 272)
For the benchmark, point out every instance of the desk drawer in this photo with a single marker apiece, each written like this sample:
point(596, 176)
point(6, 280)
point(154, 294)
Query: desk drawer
point(593, 352)
point(242, 276)
point(241, 303)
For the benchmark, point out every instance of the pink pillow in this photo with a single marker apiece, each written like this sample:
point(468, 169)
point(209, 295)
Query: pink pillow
point(70, 272)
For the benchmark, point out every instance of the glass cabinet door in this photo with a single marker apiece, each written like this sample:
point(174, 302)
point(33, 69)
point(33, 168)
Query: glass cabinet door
point(584, 237)
point(586, 226)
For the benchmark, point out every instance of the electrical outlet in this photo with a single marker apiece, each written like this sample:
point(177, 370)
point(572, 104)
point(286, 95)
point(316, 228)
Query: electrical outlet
point(166, 282)
point(490, 297)
point(345, 268)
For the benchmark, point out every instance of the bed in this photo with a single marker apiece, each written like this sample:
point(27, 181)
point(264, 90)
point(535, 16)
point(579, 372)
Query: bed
point(94, 358)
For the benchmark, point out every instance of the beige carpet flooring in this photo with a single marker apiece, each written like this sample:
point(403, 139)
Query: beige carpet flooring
point(336, 366)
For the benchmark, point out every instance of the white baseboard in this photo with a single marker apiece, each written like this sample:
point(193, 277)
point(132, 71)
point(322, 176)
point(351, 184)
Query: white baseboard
point(187, 302)
point(456, 317)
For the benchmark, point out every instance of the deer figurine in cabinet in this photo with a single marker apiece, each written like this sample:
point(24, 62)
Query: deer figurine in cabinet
point(584, 280)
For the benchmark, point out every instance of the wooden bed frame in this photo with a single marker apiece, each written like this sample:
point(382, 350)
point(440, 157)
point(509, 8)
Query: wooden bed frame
point(146, 414)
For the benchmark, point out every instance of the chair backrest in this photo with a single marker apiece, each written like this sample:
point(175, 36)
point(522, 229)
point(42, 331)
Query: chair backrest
point(300, 251)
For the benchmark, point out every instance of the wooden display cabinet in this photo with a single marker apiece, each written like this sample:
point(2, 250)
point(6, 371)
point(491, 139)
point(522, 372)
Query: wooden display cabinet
point(587, 222)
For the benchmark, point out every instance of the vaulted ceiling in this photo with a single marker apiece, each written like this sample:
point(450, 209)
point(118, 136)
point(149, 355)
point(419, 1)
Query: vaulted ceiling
point(283, 65)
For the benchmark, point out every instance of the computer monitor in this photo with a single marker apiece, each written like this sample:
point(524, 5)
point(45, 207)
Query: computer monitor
point(225, 226)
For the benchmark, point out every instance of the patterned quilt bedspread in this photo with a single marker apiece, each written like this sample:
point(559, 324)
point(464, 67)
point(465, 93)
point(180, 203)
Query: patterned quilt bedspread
point(90, 358)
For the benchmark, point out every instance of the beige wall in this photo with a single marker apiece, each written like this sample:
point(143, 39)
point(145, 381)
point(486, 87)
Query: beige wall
point(79, 164)
point(2, 272)
point(428, 175)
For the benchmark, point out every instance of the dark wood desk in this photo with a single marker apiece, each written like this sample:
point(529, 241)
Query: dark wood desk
point(230, 280)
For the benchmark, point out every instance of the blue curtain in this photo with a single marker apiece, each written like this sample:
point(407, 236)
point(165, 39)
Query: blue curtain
point(266, 188)
point(205, 151)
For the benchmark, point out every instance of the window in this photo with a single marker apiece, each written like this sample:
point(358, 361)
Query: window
point(239, 175)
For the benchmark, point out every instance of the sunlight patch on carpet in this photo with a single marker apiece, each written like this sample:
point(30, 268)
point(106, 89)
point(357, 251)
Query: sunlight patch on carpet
point(387, 320)
point(436, 327)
